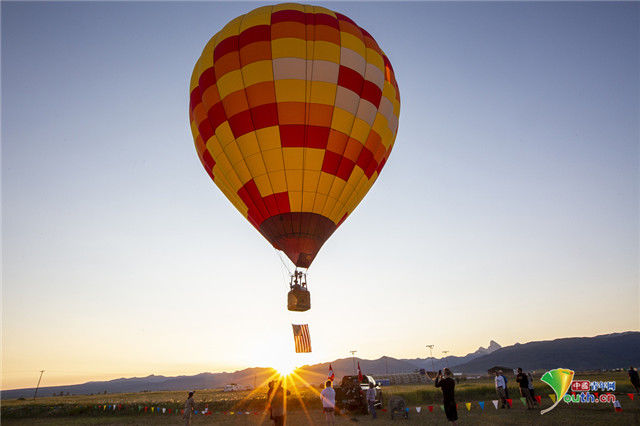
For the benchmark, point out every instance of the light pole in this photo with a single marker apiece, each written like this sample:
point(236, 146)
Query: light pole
point(38, 385)
point(433, 368)
point(445, 357)
point(353, 356)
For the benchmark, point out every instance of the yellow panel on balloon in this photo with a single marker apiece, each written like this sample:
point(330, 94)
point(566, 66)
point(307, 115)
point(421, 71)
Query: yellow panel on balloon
point(293, 158)
point(278, 181)
point(288, 48)
point(290, 90)
point(264, 185)
point(322, 93)
point(268, 138)
point(273, 159)
point(295, 201)
point(257, 72)
point(294, 180)
point(255, 164)
point(313, 158)
point(342, 121)
point(229, 83)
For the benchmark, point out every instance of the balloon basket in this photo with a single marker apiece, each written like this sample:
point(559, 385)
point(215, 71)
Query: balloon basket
point(299, 300)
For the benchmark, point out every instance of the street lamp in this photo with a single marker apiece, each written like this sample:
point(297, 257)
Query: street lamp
point(445, 357)
point(353, 356)
point(433, 368)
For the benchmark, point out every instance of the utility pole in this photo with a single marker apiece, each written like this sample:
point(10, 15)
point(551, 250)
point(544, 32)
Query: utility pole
point(38, 385)
point(353, 356)
point(433, 367)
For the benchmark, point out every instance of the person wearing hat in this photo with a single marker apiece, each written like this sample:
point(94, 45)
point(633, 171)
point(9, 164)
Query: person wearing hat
point(189, 406)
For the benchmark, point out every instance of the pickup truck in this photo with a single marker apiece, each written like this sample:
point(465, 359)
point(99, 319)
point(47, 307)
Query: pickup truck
point(351, 395)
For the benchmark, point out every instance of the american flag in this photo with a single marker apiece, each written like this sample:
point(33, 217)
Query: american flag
point(301, 337)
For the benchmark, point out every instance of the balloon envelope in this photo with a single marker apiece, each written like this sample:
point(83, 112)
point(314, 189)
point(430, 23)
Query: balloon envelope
point(294, 111)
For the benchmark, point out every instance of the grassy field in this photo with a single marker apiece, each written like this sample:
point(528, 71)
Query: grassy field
point(304, 407)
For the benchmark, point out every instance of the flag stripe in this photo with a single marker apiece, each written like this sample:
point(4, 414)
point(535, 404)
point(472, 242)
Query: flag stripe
point(301, 337)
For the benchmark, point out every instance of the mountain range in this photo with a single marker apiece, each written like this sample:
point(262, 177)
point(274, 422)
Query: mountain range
point(618, 350)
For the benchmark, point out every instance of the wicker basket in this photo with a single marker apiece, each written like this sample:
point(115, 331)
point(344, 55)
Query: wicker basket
point(299, 300)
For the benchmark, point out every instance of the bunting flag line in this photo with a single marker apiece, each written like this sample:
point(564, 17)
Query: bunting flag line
point(301, 338)
point(159, 410)
point(510, 402)
point(630, 396)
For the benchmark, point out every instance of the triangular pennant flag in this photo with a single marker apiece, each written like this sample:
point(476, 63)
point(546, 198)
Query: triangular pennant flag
point(442, 407)
point(481, 404)
point(617, 406)
point(523, 400)
point(510, 401)
point(247, 413)
point(630, 396)
point(539, 399)
point(231, 412)
point(430, 407)
point(418, 409)
point(164, 410)
point(553, 397)
point(468, 404)
point(495, 403)
point(169, 410)
point(153, 408)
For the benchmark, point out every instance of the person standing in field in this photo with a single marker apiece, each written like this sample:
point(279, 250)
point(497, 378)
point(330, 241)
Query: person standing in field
point(189, 407)
point(371, 399)
point(635, 380)
point(269, 398)
point(328, 397)
point(500, 387)
point(532, 390)
point(523, 381)
point(447, 384)
point(506, 387)
point(279, 406)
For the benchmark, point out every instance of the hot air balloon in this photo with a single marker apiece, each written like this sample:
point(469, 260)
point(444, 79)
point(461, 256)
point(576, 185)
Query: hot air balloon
point(294, 112)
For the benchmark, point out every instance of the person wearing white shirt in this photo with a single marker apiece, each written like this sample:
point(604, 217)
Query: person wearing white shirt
point(500, 390)
point(371, 399)
point(328, 396)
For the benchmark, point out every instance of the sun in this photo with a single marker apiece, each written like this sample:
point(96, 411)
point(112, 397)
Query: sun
point(284, 367)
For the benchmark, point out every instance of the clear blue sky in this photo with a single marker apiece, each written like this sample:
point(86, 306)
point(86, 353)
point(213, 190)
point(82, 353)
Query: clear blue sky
point(508, 209)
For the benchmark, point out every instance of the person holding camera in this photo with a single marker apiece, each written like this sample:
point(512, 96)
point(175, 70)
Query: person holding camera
point(447, 384)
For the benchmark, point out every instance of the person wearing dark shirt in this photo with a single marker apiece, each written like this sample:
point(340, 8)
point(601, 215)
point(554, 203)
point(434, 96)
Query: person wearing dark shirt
point(523, 381)
point(635, 380)
point(448, 385)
